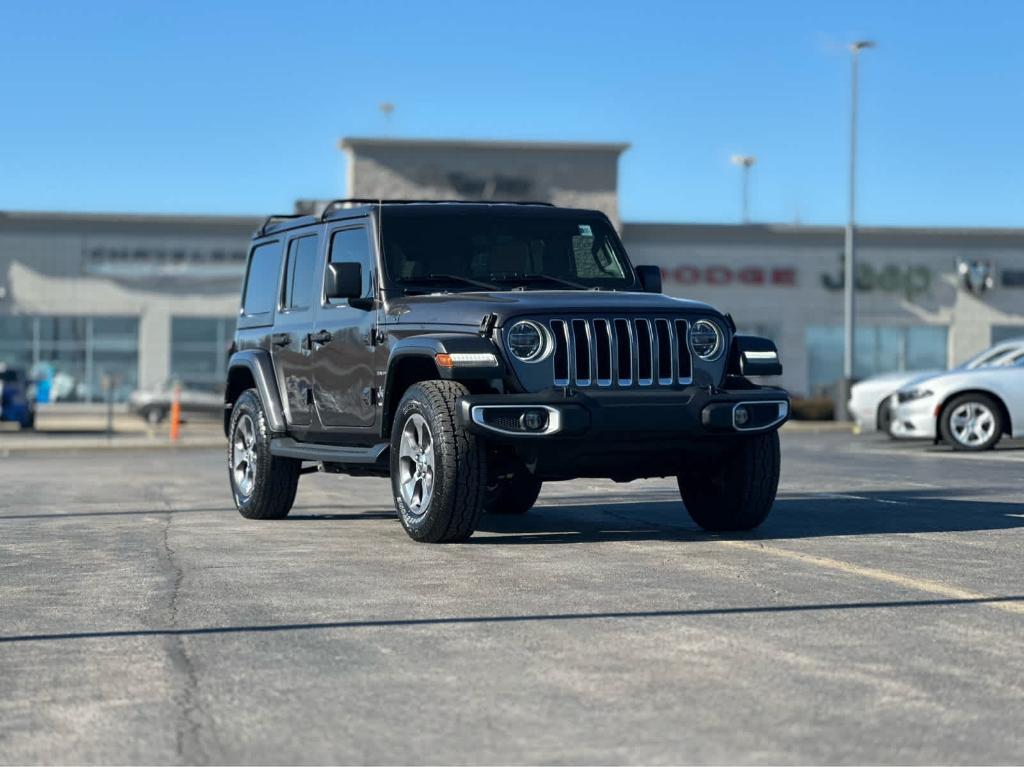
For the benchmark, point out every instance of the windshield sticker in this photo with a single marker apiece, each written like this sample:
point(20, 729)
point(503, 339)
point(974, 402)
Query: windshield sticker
point(586, 231)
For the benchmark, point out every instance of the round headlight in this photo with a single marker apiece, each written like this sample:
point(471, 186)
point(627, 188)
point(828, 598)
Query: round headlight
point(706, 340)
point(527, 341)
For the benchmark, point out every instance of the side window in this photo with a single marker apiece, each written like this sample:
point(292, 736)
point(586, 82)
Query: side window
point(353, 245)
point(261, 281)
point(299, 273)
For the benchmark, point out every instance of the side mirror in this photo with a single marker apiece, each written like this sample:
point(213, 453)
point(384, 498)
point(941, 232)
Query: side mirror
point(650, 278)
point(344, 281)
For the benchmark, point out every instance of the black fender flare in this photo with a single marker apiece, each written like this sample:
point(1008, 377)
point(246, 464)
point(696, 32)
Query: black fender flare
point(260, 367)
point(430, 345)
point(754, 356)
point(426, 347)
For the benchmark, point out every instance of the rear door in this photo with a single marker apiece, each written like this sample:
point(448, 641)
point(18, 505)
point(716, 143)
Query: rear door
point(342, 340)
point(290, 344)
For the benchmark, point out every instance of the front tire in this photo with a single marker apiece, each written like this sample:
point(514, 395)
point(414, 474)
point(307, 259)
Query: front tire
point(883, 420)
point(738, 490)
point(438, 468)
point(972, 422)
point(263, 485)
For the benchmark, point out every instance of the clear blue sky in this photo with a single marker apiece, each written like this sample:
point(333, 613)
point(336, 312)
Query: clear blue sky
point(180, 106)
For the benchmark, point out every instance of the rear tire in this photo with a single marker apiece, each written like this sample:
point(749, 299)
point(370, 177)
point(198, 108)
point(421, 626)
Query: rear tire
point(513, 495)
point(738, 490)
point(972, 422)
point(438, 468)
point(263, 485)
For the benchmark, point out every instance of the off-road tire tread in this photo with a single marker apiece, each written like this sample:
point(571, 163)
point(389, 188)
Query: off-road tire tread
point(743, 499)
point(459, 457)
point(277, 478)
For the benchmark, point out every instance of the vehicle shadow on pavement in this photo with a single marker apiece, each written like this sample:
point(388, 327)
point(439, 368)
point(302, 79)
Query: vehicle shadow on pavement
point(794, 516)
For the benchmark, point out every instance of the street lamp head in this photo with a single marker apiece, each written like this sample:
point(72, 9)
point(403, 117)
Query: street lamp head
point(743, 160)
point(859, 45)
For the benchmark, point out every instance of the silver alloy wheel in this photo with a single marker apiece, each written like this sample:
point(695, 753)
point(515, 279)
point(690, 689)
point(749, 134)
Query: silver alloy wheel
point(416, 464)
point(243, 455)
point(971, 424)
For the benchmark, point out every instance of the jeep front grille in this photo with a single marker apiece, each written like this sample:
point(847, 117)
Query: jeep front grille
point(620, 352)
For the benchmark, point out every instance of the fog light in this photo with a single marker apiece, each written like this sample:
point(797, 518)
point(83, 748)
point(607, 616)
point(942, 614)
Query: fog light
point(533, 420)
point(740, 416)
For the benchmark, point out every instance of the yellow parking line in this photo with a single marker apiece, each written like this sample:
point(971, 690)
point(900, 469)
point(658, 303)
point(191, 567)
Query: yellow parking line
point(906, 581)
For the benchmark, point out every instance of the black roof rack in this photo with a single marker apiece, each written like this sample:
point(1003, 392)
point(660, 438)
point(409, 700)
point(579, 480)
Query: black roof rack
point(334, 204)
point(271, 220)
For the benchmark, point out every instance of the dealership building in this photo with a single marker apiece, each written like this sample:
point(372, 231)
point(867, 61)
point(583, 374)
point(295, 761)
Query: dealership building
point(90, 301)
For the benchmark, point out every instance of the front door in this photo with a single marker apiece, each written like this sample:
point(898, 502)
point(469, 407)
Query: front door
point(342, 340)
point(289, 343)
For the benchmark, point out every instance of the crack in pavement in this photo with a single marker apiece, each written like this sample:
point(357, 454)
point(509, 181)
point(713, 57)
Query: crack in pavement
point(189, 722)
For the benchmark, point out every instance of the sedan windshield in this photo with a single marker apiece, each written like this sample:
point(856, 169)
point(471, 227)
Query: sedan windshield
point(428, 251)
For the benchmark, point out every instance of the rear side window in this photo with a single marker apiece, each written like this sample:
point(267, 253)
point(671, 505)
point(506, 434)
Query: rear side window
point(299, 273)
point(353, 245)
point(261, 281)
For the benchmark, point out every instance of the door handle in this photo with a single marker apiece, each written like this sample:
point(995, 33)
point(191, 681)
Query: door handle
point(320, 337)
point(280, 339)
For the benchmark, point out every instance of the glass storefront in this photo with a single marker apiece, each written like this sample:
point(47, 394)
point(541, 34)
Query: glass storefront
point(877, 349)
point(74, 359)
point(199, 350)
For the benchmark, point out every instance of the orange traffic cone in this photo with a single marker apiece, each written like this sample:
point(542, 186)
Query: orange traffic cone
point(176, 414)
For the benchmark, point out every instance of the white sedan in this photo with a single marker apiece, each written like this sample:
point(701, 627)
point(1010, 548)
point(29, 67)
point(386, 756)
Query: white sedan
point(870, 398)
point(969, 409)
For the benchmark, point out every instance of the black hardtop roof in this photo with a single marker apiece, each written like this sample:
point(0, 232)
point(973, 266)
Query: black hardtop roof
point(355, 207)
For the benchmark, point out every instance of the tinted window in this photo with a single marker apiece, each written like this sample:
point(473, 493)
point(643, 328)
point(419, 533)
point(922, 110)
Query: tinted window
point(504, 250)
point(353, 245)
point(299, 272)
point(261, 283)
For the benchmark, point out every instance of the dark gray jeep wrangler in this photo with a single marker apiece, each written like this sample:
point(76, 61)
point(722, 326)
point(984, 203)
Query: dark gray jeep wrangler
point(474, 351)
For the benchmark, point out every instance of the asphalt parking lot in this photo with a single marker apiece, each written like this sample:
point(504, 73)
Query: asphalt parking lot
point(878, 616)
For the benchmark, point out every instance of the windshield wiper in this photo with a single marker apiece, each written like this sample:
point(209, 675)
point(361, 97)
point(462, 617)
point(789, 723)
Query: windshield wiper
point(453, 278)
point(514, 277)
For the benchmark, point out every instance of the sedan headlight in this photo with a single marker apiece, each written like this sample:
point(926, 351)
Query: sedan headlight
point(912, 394)
point(706, 340)
point(528, 341)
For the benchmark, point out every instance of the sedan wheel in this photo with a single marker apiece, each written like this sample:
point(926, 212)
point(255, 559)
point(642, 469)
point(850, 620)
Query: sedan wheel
point(972, 422)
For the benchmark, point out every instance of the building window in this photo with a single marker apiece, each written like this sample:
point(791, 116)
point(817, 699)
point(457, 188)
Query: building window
point(74, 359)
point(1002, 333)
point(878, 349)
point(199, 351)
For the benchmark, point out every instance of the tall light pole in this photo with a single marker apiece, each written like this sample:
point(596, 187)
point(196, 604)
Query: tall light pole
point(849, 271)
point(745, 161)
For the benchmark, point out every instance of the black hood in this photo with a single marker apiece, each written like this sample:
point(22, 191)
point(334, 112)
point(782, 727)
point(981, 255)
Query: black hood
point(467, 308)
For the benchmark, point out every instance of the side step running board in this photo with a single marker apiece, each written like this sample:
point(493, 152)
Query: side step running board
point(286, 447)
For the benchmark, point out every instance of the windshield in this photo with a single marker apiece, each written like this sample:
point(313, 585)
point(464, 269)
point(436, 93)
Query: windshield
point(997, 355)
point(428, 251)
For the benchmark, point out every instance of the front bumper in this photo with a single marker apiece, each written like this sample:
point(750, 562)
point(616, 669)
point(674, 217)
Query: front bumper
point(914, 419)
point(692, 413)
point(865, 414)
